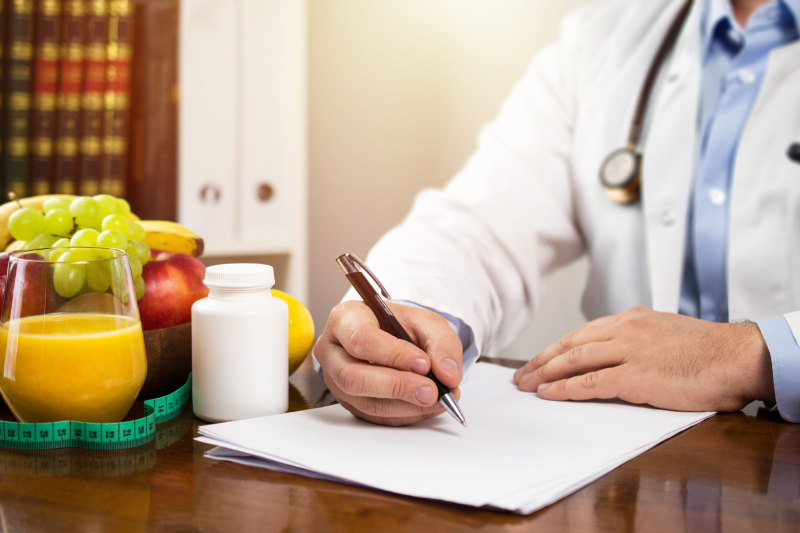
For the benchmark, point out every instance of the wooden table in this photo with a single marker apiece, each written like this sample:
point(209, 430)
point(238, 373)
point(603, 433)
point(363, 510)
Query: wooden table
point(735, 472)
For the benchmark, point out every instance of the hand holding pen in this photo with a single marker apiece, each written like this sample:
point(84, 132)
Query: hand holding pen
point(394, 390)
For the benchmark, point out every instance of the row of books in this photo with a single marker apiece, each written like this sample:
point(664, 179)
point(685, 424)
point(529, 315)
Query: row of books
point(65, 76)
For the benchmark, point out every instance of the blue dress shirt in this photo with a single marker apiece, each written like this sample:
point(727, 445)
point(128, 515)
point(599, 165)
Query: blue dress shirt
point(734, 64)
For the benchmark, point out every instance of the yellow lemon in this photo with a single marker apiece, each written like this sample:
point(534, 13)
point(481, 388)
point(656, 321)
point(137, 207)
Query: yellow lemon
point(301, 330)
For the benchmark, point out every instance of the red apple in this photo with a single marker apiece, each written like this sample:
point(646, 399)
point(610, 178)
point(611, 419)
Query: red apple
point(32, 282)
point(173, 282)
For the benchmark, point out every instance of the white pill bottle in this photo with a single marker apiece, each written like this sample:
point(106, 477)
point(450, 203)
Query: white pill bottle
point(240, 345)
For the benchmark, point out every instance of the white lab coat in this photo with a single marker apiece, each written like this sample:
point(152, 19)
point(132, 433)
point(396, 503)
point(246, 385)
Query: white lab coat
point(529, 200)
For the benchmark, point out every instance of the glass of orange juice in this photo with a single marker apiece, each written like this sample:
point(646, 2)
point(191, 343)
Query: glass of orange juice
point(71, 345)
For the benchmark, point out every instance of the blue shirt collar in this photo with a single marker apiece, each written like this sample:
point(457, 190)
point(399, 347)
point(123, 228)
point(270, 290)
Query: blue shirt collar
point(720, 12)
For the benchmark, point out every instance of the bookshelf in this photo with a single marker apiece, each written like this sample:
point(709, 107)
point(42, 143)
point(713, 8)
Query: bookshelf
point(218, 126)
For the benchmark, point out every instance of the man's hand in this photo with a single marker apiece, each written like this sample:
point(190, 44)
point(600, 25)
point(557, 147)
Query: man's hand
point(662, 359)
point(380, 378)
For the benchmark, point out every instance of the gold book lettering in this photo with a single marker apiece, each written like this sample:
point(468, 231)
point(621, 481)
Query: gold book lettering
point(19, 101)
point(72, 52)
point(67, 146)
point(23, 51)
point(48, 51)
point(50, 8)
point(24, 7)
point(91, 146)
point(115, 100)
point(93, 101)
point(44, 102)
point(115, 145)
point(18, 146)
point(43, 146)
point(69, 102)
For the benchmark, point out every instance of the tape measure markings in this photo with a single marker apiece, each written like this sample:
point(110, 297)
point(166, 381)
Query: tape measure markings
point(94, 436)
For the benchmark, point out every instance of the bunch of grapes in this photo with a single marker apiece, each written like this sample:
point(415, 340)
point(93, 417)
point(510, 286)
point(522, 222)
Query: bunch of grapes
point(99, 221)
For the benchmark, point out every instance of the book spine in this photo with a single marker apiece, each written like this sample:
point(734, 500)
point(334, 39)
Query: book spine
point(47, 24)
point(3, 48)
point(117, 99)
point(152, 162)
point(94, 87)
point(68, 101)
point(18, 91)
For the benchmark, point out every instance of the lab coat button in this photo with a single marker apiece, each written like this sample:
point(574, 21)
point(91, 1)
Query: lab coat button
point(717, 196)
point(667, 217)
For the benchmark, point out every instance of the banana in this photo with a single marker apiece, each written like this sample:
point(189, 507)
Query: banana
point(36, 202)
point(172, 237)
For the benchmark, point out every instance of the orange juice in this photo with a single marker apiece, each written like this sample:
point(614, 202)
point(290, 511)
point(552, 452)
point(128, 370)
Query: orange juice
point(71, 366)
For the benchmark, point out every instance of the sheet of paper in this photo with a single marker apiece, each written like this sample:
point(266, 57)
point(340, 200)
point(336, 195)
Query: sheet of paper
point(519, 452)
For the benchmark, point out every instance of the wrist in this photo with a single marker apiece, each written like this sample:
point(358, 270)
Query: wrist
point(757, 364)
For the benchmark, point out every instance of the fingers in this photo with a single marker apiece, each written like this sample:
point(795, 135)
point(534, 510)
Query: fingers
point(579, 360)
point(394, 390)
point(356, 329)
point(357, 378)
point(435, 336)
point(602, 384)
point(387, 412)
point(596, 331)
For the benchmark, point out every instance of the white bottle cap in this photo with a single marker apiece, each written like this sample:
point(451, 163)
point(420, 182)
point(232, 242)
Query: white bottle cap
point(239, 276)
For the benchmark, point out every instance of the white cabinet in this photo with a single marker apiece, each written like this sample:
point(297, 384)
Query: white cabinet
point(242, 116)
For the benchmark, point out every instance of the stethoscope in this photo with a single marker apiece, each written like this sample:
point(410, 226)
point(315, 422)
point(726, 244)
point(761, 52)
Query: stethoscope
point(620, 172)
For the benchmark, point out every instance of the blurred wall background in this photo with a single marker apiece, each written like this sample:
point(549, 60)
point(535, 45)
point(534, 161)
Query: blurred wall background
point(398, 90)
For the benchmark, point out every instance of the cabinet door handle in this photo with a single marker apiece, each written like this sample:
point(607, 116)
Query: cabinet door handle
point(265, 192)
point(210, 194)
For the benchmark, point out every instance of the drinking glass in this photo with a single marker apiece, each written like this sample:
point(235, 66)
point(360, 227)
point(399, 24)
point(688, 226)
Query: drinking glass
point(71, 345)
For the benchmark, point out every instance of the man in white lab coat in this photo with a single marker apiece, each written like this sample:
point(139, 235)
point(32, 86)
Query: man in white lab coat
point(693, 289)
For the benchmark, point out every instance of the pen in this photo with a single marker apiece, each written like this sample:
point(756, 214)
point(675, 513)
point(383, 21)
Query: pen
point(349, 264)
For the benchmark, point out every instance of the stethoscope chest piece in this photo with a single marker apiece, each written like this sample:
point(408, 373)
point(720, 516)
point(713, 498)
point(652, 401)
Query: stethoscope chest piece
point(620, 175)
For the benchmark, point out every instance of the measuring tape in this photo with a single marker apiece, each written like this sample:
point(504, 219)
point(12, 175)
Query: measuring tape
point(91, 436)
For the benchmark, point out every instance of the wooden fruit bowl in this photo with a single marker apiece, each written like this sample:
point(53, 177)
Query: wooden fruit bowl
point(169, 360)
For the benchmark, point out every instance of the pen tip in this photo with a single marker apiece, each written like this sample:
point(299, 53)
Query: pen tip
point(465, 423)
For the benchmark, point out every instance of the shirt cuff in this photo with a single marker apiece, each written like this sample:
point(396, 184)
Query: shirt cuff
point(785, 355)
point(469, 349)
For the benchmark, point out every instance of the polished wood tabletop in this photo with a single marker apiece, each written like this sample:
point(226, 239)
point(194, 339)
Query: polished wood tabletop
point(734, 472)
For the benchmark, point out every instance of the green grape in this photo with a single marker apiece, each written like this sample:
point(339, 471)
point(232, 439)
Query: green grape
point(55, 255)
point(98, 276)
point(119, 284)
point(58, 222)
point(139, 286)
point(117, 222)
point(68, 279)
point(25, 224)
point(136, 267)
point(140, 250)
point(43, 240)
point(87, 212)
point(124, 207)
point(103, 253)
point(137, 232)
point(112, 238)
point(84, 254)
point(57, 203)
point(108, 205)
point(85, 237)
point(60, 243)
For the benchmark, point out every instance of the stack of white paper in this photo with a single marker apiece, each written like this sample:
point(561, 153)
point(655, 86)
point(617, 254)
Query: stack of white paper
point(519, 453)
